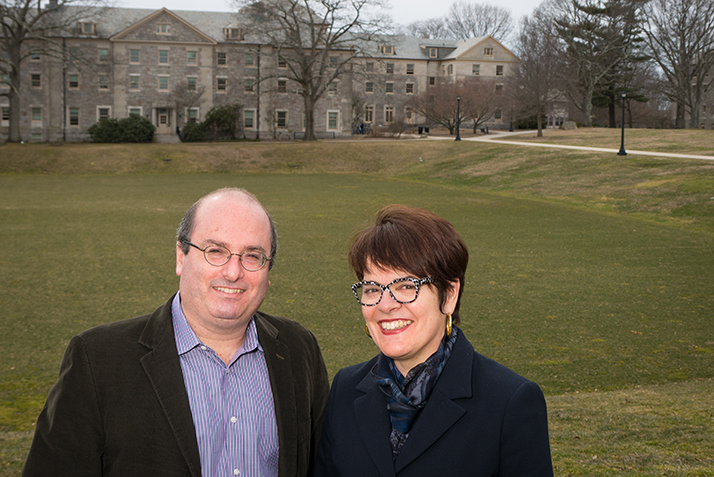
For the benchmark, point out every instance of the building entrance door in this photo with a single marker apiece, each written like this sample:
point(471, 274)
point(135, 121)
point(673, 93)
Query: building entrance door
point(164, 123)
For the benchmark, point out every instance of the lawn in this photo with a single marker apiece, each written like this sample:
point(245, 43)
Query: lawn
point(608, 310)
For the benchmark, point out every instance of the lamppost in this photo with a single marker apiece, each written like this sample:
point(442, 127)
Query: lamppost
point(458, 118)
point(622, 151)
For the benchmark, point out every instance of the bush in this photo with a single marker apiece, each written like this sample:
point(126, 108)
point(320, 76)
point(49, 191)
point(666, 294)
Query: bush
point(132, 129)
point(193, 132)
point(223, 121)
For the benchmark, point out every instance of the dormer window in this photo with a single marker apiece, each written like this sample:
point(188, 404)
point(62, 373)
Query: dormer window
point(488, 51)
point(387, 49)
point(163, 29)
point(234, 33)
point(86, 28)
point(433, 52)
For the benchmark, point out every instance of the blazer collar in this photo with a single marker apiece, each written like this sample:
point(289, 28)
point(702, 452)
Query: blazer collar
point(161, 365)
point(440, 413)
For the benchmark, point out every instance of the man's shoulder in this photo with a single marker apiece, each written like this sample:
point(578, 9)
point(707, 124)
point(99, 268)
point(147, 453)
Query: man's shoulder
point(283, 329)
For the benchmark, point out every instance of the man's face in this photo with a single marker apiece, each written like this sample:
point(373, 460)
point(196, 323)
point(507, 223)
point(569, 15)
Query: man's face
point(225, 297)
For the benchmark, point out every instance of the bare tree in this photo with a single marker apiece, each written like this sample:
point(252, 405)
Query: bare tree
point(478, 102)
point(26, 22)
point(533, 82)
point(186, 98)
point(470, 20)
point(317, 40)
point(680, 37)
point(431, 28)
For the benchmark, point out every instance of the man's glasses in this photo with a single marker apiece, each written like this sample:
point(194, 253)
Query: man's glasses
point(402, 290)
point(217, 256)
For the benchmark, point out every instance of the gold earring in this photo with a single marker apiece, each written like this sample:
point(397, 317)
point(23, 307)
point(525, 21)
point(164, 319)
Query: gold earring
point(366, 330)
point(449, 326)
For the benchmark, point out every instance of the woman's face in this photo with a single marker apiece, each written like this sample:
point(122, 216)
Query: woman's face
point(407, 333)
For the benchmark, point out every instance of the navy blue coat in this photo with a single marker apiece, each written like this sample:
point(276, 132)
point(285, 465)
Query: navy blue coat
point(481, 419)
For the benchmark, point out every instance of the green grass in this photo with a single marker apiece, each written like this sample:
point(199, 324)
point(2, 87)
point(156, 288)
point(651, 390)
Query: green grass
point(598, 306)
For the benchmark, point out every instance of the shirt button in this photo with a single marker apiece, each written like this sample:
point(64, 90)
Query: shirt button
point(203, 348)
point(236, 471)
point(234, 420)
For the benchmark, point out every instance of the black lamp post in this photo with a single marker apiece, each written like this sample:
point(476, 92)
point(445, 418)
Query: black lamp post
point(622, 151)
point(458, 118)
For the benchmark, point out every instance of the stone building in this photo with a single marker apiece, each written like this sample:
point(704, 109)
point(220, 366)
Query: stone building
point(172, 67)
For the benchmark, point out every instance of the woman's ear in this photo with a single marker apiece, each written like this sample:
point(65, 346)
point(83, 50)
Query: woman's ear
point(452, 296)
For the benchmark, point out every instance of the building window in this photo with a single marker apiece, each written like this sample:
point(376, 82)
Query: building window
point(36, 81)
point(221, 58)
point(282, 62)
point(74, 116)
point(499, 70)
point(73, 82)
point(488, 51)
point(248, 85)
point(497, 115)
point(163, 83)
point(36, 114)
point(332, 120)
point(499, 89)
point(221, 84)
point(134, 82)
point(282, 86)
point(248, 119)
point(134, 56)
point(410, 88)
point(370, 66)
point(368, 114)
point(193, 115)
point(388, 114)
point(191, 84)
point(476, 70)
point(410, 68)
point(281, 119)
point(135, 111)
point(5, 113)
point(249, 59)
point(390, 87)
point(102, 114)
point(86, 28)
point(333, 62)
point(432, 80)
point(163, 29)
point(409, 116)
point(369, 87)
point(103, 55)
point(450, 70)
point(332, 88)
point(163, 57)
point(234, 33)
point(4, 80)
point(390, 68)
point(387, 49)
point(433, 52)
point(35, 54)
point(191, 57)
point(103, 82)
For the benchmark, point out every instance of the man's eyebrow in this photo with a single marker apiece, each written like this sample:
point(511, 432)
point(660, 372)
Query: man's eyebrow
point(249, 248)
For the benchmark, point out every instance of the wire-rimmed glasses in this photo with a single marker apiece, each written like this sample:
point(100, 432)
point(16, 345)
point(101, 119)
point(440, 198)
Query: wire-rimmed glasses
point(218, 255)
point(402, 290)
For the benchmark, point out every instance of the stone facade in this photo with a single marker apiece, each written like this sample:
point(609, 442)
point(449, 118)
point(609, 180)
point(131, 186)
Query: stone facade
point(154, 63)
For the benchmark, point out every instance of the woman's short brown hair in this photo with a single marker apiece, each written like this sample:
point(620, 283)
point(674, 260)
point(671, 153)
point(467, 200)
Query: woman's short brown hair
point(416, 241)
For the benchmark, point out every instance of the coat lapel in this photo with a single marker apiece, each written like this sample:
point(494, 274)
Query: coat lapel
point(374, 425)
point(440, 412)
point(282, 383)
point(163, 368)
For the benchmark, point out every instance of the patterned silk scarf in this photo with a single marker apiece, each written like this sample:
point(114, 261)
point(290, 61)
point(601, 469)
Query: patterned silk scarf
point(406, 396)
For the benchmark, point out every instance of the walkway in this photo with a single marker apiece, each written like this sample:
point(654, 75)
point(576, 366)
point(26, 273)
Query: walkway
point(495, 137)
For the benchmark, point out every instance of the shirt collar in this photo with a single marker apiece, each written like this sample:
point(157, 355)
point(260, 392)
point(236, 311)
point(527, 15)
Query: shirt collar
point(186, 339)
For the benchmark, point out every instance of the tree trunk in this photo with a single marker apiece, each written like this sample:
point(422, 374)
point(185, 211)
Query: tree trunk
point(611, 113)
point(588, 109)
point(539, 121)
point(309, 104)
point(679, 119)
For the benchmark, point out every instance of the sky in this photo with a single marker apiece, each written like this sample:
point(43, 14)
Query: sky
point(403, 11)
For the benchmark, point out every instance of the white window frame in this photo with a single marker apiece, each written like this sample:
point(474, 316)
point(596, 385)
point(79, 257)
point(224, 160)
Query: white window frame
point(337, 120)
point(225, 85)
point(168, 83)
point(138, 76)
point(69, 117)
point(104, 107)
point(252, 86)
point(249, 128)
point(287, 118)
point(138, 62)
point(188, 114)
point(36, 122)
point(140, 108)
point(195, 58)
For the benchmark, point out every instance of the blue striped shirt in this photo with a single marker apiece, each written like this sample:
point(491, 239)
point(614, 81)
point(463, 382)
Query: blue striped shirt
point(232, 405)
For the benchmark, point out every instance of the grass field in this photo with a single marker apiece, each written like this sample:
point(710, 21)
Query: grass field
point(581, 278)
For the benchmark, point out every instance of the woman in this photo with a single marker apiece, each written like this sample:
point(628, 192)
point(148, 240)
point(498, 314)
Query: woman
point(428, 404)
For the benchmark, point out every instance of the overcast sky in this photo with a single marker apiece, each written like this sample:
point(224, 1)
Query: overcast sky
point(403, 11)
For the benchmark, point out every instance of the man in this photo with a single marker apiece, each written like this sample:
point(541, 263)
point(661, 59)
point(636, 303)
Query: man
point(206, 385)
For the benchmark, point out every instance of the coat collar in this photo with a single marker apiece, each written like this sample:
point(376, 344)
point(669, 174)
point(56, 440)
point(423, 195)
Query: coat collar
point(440, 413)
point(161, 365)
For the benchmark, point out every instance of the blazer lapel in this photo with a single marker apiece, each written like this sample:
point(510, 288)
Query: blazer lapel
point(440, 412)
point(163, 368)
point(282, 383)
point(374, 425)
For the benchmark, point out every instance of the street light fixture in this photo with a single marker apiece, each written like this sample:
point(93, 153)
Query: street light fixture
point(458, 118)
point(622, 151)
